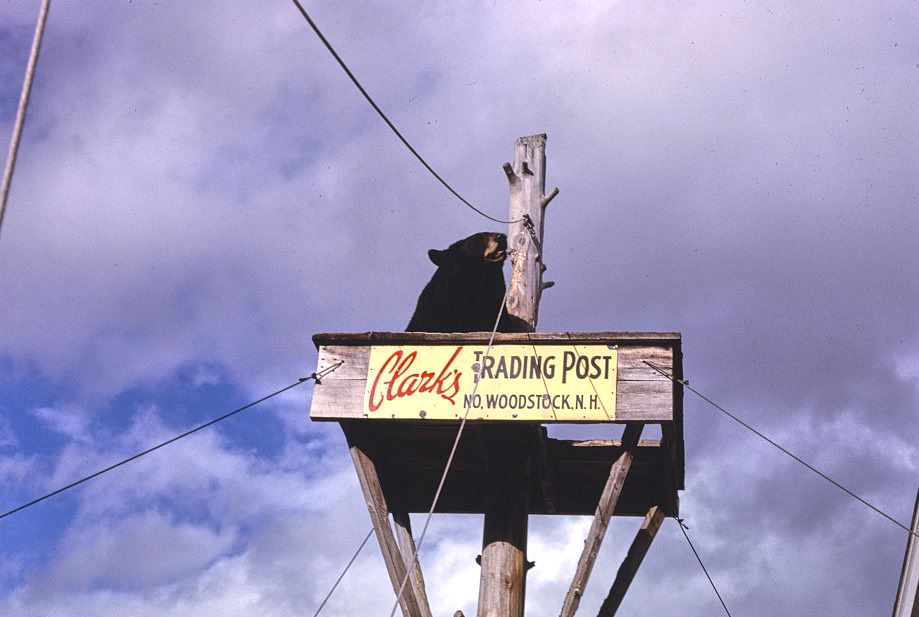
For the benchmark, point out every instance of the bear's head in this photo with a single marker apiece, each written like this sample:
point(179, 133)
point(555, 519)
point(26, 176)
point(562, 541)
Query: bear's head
point(467, 291)
point(482, 250)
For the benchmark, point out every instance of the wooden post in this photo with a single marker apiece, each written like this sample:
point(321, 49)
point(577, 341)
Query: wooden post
point(502, 585)
point(527, 178)
point(632, 561)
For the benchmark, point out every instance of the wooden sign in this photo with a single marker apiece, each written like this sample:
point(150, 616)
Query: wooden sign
point(573, 383)
point(538, 377)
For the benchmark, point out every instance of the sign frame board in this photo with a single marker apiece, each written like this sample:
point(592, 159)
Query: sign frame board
point(642, 394)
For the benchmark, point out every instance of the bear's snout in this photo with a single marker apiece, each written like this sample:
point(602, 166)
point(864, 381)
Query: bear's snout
point(495, 248)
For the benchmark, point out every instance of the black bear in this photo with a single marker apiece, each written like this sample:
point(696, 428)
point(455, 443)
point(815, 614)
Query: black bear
point(467, 289)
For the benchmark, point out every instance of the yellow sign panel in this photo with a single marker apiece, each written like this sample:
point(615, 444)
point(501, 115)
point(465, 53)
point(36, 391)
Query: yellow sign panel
point(565, 383)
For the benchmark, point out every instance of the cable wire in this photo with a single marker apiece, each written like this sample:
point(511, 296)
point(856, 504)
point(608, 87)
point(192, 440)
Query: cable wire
point(542, 376)
point(686, 385)
point(410, 563)
point(23, 106)
point(388, 122)
point(343, 572)
point(315, 376)
point(683, 528)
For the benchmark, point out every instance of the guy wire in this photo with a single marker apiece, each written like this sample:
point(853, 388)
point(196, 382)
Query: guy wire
point(686, 385)
point(683, 528)
point(314, 376)
point(382, 115)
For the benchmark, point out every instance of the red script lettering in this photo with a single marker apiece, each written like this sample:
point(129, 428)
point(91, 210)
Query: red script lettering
point(394, 381)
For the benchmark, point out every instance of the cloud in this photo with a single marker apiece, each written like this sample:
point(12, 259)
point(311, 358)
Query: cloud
point(194, 527)
point(71, 421)
point(144, 549)
point(7, 436)
point(199, 192)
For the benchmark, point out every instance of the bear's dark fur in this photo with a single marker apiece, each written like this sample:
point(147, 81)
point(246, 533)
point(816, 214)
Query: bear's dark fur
point(467, 289)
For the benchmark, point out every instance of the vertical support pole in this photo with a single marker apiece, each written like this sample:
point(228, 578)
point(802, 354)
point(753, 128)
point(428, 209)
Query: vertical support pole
point(502, 585)
point(527, 178)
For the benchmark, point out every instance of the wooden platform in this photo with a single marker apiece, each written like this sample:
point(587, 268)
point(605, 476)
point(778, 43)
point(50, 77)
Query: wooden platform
point(565, 477)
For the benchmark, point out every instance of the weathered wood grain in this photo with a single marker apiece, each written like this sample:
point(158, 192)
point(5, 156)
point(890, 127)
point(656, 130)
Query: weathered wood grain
point(406, 542)
point(644, 395)
point(644, 401)
point(355, 360)
point(379, 515)
point(631, 365)
point(632, 360)
point(399, 338)
point(502, 585)
point(605, 508)
point(526, 181)
point(506, 490)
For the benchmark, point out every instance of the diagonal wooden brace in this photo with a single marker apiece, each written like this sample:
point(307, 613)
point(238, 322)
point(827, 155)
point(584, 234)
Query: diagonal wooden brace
point(605, 508)
point(407, 545)
point(632, 561)
point(410, 600)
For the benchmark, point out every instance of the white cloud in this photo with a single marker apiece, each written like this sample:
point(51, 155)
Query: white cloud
point(200, 527)
point(7, 435)
point(140, 550)
point(72, 421)
point(16, 469)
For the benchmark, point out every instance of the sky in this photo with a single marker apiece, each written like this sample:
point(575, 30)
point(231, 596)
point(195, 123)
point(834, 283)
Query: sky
point(200, 189)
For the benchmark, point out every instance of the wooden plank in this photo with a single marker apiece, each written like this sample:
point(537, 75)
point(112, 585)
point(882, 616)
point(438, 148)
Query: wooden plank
point(406, 544)
point(398, 338)
point(338, 399)
point(605, 508)
point(617, 443)
point(644, 395)
point(632, 362)
point(355, 359)
point(632, 561)
point(379, 516)
point(644, 401)
point(672, 432)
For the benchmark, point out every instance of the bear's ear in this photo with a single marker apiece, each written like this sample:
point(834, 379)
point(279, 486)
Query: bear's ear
point(438, 257)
